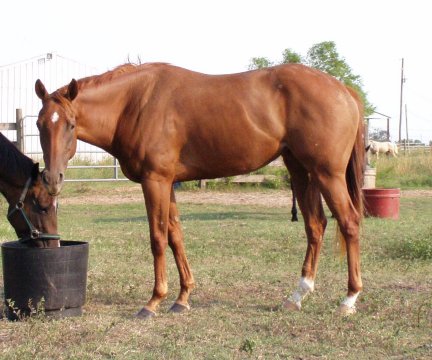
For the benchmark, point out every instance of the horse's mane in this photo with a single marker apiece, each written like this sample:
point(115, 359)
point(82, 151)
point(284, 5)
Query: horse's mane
point(15, 167)
point(96, 80)
point(109, 75)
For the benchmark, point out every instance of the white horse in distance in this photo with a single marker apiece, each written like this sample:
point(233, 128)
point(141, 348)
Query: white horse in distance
point(387, 147)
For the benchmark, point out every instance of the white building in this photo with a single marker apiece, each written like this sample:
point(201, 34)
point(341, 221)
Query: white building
point(17, 83)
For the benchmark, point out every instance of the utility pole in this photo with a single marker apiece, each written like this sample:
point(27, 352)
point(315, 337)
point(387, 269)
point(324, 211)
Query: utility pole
point(401, 97)
point(388, 129)
point(406, 124)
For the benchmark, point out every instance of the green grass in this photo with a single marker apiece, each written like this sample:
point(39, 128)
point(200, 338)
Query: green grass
point(245, 260)
point(413, 170)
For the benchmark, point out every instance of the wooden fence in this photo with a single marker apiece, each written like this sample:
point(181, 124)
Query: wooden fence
point(414, 148)
point(18, 126)
point(248, 178)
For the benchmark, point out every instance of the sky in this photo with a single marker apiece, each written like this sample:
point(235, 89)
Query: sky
point(218, 37)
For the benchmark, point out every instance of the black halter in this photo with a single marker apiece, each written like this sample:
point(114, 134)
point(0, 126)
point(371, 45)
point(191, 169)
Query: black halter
point(34, 233)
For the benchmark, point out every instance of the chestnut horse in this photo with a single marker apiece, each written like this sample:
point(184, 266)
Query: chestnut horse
point(32, 210)
point(166, 124)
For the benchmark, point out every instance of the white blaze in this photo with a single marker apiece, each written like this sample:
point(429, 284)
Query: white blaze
point(54, 117)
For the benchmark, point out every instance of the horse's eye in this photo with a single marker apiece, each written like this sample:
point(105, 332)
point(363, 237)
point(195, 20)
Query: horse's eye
point(39, 208)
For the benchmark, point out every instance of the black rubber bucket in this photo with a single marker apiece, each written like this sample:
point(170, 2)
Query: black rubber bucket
point(54, 279)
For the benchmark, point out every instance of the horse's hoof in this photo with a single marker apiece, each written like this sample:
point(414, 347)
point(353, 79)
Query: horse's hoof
point(145, 313)
point(291, 306)
point(178, 308)
point(345, 310)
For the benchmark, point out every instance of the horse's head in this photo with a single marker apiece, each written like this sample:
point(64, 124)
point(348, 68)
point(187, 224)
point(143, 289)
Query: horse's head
point(33, 212)
point(58, 135)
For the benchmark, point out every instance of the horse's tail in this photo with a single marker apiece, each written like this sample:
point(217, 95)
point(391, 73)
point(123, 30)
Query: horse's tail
point(355, 170)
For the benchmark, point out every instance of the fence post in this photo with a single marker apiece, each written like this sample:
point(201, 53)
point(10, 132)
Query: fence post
point(202, 184)
point(115, 169)
point(366, 140)
point(20, 130)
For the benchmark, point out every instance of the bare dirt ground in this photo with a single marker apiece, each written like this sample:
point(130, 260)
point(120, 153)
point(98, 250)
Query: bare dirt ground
point(271, 198)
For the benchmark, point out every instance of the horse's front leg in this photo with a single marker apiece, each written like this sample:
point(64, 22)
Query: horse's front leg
point(157, 200)
point(176, 243)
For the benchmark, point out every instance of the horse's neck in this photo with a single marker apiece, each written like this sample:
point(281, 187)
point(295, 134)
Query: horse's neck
point(8, 191)
point(15, 168)
point(97, 117)
point(101, 107)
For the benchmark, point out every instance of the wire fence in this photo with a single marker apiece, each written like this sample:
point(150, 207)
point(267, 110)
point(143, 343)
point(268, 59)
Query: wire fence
point(19, 104)
point(90, 163)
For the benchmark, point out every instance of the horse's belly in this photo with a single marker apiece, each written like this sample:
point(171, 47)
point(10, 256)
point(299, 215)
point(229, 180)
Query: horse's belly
point(226, 161)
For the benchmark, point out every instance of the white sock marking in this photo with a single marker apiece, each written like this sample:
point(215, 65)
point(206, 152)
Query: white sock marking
point(305, 286)
point(351, 300)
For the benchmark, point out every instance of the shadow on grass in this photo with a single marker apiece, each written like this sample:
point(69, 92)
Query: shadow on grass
point(205, 216)
point(135, 219)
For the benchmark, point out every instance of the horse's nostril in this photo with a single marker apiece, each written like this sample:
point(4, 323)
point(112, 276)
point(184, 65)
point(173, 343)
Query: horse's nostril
point(61, 176)
point(45, 177)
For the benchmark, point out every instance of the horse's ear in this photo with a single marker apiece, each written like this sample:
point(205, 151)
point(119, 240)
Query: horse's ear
point(35, 171)
point(40, 90)
point(72, 90)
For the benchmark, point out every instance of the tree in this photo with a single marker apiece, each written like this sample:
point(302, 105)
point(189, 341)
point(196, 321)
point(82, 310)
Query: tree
point(259, 63)
point(377, 134)
point(323, 56)
point(291, 57)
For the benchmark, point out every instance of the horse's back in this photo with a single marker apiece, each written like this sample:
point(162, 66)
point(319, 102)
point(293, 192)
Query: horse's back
point(279, 100)
point(292, 107)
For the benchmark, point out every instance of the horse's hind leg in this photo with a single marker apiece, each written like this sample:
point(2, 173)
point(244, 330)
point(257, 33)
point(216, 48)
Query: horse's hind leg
point(176, 243)
point(309, 200)
point(335, 192)
point(294, 216)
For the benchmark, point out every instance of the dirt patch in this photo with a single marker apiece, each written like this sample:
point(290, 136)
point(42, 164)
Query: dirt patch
point(417, 193)
point(270, 198)
point(276, 198)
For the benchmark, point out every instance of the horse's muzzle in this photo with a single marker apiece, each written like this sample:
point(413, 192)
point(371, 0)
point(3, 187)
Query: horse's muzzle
point(53, 181)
